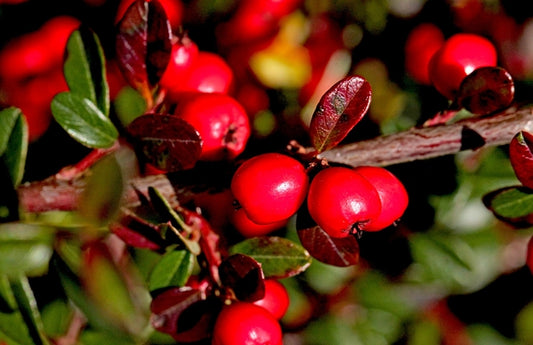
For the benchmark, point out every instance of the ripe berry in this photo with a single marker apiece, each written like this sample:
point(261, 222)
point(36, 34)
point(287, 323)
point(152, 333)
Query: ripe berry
point(221, 121)
point(392, 194)
point(184, 52)
point(243, 323)
point(270, 187)
point(459, 56)
point(342, 201)
point(276, 299)
point(422, 42)
point(246, 227)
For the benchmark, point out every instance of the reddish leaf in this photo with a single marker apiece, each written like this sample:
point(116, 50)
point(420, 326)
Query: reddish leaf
point(167, 142)
point(338, 111)
point(143, 45)
point(486, 90)
point(341, 252)
point(521, 157)
point(244, 276)
point(137, 232)
point(184, 313)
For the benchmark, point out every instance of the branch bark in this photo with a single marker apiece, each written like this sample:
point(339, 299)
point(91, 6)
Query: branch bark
point(56, 193)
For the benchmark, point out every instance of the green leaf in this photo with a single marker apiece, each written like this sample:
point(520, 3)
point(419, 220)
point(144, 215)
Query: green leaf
point(514, 202)
point(26, 249)
point(29, 310)
point(174, 269)
point(102, 196)
point(13, 142)
point(56, 317)
point(129, 104)
point(82, 120)
point(84, 68)
point(13, 329)
point(279, 257)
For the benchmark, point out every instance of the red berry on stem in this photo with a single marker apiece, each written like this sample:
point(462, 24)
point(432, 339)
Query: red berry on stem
point(422, 42)
point(459, 56)
point(184, 52)
point(246, 227)
point(342, 201)
point(243, 323)
point(276, 299)
point(270, 187)
point(392, 194)
point(221, 121)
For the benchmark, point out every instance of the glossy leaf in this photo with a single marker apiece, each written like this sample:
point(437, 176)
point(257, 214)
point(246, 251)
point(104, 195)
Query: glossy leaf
point(84, 68)
point(486, 90)
point(143, 45)
point(13, 142)
point(341, 252)
point(167, 142)
point(521, 157)
point(102, 197)
point(512, 203)
point(83, 121)
point(174, 269)
point(26, 249)
point(244, 276)
point(338, 111)
point(184, 313)
point(279, 257)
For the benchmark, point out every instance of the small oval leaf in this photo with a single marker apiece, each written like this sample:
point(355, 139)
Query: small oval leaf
point(338, 111)
point(279, 257)
point(512, 203)
point(143, 45)
point(83, 121)
point(13, 142)
point(486, 90)
point(84, 68)
point(165, 141)
point(174, 269)
point(521, 157)
point(243, 274)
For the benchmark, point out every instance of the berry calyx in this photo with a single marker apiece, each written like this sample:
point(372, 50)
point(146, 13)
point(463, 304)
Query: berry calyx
point(246, 323)
point(342, 202)
point(392, 194)
point(276, 299)
point(220, 120)
point(459, 56)
point(270, 187)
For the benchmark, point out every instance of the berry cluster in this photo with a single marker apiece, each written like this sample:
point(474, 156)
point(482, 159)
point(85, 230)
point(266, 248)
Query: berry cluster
point(272, 187)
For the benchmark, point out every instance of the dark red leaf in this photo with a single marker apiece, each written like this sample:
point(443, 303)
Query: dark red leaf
point(338, 111)
point(486, 90)
point(184, 313)
point(341, 252)
point(521, 157)
point(143, 45)
point(167, 142)
point(137, 232)
point(244, 276)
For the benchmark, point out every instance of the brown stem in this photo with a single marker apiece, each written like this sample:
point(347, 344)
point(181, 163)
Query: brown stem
point(414, 144)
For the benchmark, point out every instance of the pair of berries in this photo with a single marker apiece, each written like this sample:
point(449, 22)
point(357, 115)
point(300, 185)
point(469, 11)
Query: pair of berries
point(253, 322)
point(271, 187)
point(444, 63)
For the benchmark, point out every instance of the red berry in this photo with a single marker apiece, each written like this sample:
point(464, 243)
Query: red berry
point(422, 42)
point(246, 227)
point(276, 299)
point(459, 56)
point(221, 121)
point(184, 52)
point(341, 201)
point(243, 323)
point(270, 187)
point(392, 194)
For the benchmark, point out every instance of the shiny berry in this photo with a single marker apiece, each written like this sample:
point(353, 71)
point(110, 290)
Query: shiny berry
point(246, 227)
point(184, 52)
point(459, 56)
point(243, 323)
point(220, 120)
point(270, 187)
point(276, 299)
point(422, 42)
point(392, 194)
point(342, 201)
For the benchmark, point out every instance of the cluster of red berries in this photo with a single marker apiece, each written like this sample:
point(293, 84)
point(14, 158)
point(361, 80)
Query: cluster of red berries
point(253, 322)
point(272, 187)
point(444, 63)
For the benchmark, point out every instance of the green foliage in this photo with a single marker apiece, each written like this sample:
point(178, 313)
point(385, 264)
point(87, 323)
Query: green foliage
point(174, 269)
point(13, 142)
